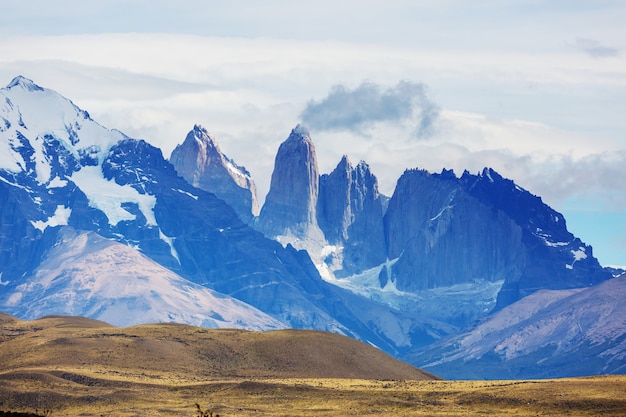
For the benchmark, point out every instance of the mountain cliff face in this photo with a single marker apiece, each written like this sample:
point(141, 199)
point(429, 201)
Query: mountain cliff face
point(480, 242)
point(291, 203)
point(350, 213)
point(200, 161)
point(555, 258)
point(441, 236)
point(446, 230)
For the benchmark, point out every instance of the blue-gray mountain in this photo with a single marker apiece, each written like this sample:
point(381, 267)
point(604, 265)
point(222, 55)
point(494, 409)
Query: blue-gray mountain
point(401, 273)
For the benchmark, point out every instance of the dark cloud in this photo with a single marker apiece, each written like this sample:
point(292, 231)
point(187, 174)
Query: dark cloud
point(369, 103)
point(594, 49)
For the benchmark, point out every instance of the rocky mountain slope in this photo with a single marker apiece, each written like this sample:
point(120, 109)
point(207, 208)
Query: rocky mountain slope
point(200, 161)
point(85, 274)
point(546, 334)
point(436, 233)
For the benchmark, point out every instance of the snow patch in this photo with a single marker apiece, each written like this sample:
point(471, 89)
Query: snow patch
point(195, 197)
point(59, 218)
point(546, 238)
point(578, 255)
point(108, 196)
point(443, 210)
point(57, 182)
point(170, 243)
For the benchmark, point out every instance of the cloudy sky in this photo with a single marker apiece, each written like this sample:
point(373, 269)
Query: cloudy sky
point(534, 89)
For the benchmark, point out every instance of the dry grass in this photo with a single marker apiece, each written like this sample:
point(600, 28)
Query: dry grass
point(78, 367)
point(97, 394)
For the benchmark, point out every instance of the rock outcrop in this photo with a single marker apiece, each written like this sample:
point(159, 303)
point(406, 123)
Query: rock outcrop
point(350, 213)
point(445, 230)
point(291, 203)
point(200, 161)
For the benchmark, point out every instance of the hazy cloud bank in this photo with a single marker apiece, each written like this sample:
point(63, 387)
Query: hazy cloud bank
point(595, 49)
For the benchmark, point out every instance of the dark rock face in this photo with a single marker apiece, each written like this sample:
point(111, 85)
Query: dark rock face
point(200, 161)
point(443, 237)
point(555, 258)
point(290, 205)
point(350, 213)
point(447, 230)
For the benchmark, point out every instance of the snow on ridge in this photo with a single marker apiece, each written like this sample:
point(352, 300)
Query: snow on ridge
point(37, 115)
point(108, 196)
point(170, 242)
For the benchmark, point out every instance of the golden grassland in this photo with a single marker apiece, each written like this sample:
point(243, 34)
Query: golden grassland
point(79, 367)
point(81, 392)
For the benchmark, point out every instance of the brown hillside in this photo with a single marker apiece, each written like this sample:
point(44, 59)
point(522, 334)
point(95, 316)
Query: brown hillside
point(191, 353)
point(71, 366)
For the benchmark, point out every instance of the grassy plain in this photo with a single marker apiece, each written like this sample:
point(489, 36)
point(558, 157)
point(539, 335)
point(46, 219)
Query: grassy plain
point(79, 367)
point(80, 392)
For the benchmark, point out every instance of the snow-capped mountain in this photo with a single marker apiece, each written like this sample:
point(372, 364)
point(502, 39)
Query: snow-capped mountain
point(95, 223)
point(123, 189)
point(87, 275)
point(200, 161)
point(550, 333)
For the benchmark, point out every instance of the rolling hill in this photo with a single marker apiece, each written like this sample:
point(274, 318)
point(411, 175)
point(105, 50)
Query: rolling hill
point(61, 344)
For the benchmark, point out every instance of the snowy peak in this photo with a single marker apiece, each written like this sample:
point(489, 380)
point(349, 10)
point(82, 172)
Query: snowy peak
point(44, 135)
point(24, 83)
point(201, 163)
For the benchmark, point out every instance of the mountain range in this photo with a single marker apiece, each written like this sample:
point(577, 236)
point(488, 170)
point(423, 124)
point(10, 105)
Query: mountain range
point(98, 224)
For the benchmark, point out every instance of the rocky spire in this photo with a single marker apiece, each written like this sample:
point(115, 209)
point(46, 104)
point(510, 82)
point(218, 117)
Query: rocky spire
point(350, 213)
point(200, 161)
point(290, 205)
